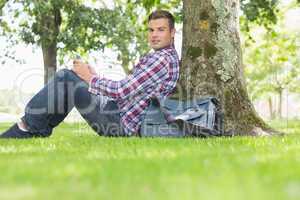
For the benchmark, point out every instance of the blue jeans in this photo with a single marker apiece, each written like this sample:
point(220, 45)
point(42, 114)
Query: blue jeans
point(65, 90)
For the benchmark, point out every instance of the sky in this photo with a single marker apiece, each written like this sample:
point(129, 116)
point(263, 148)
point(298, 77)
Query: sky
point(28, 77)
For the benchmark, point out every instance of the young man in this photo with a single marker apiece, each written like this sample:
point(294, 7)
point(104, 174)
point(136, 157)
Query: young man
point(155, 75)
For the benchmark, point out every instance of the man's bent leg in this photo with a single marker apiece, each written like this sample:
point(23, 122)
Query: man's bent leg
point(52, 104)
point(102, 115)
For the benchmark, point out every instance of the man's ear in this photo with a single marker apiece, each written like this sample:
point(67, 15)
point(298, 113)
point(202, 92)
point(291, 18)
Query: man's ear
point(173, 31)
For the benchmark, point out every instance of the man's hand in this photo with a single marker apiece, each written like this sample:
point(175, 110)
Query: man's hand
point(83, 70)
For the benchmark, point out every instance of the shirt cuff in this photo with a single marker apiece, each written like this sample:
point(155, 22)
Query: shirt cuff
point(93, 85)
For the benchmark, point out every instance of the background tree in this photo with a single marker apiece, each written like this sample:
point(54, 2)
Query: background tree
point(271, 62)
point(271, 67)
point(67, 27)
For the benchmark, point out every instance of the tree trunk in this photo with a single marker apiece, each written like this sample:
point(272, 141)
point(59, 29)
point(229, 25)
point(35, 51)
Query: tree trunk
point(212, 63)
point(272, 113)
point(49, 30)
point(49, 57)
point(125, 64)
point(280, 96)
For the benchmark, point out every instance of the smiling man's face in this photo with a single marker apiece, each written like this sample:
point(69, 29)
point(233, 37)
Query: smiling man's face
point(159, 33)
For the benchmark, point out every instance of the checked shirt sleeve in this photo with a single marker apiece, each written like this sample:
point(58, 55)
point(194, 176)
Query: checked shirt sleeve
point(149, 74)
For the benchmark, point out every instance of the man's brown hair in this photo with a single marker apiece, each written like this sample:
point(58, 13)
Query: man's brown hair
point(158, 14)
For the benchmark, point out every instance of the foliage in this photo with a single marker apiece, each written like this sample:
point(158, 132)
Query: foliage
point(271, 60)
point(81, 28)
point(84, 28)
point(261, 12)
point(271, 63)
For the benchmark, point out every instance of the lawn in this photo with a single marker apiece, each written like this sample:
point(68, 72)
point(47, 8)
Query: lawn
point(75, 163)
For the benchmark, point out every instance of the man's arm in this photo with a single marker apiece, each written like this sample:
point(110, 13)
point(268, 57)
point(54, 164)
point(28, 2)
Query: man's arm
point(149, 74)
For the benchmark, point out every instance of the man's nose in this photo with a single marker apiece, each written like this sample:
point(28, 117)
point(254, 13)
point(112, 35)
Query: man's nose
point(154, 34)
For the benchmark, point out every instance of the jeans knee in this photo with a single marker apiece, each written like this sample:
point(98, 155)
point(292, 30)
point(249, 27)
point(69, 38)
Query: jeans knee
point(63, 72)
point(71, 78)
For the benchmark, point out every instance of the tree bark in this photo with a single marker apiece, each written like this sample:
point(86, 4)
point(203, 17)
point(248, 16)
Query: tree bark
point(212, 63)
point(49, 31)
point(49, 57)
point(272, 113)
point(280, 96)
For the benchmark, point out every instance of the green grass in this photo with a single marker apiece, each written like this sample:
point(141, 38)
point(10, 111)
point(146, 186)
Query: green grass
point(75, 163)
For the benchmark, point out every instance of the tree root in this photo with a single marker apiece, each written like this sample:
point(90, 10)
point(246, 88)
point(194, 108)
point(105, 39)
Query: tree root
point(258, 131)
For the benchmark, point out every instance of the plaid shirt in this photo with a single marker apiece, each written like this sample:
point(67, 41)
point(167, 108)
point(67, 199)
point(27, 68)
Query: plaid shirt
point(155, 75)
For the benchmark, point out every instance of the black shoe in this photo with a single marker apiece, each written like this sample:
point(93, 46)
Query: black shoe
point(15, 132)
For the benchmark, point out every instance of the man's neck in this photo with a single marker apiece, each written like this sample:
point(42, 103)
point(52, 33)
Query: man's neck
point(166, 47)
